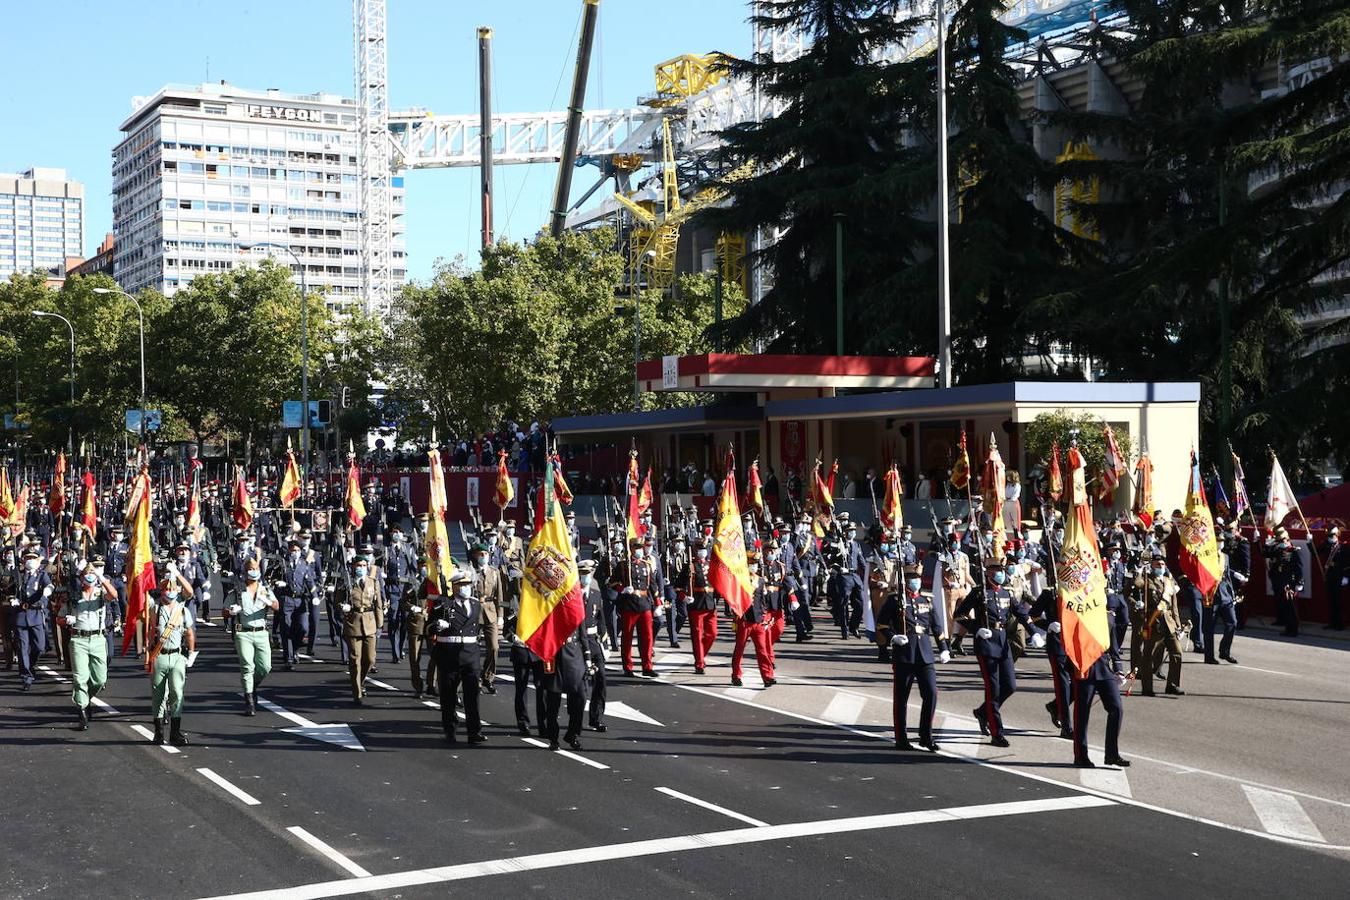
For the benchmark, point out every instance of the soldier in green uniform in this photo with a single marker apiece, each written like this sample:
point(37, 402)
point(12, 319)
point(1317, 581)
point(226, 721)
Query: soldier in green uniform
point(168, 666)
point(251, 608)
point(87, 619)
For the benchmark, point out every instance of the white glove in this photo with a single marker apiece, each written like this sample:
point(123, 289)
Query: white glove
point(500, 623)
point(899, 640)
point(13, 601)
point(1037, 641)
point(346, 607)
point(331, 588)
point(1055, 627)
point(984, 634)
point(628, 589)
point(793, 605)
point(70, 620)
point(315, 602)
point(944, 657)
point(1139, 605)
point(206, 595)
point(171, 569)
point(513, 573)
point(1345, 581)
point(279, 583)
point(1242, 579)
point(235, 609)
point(47, 591)
point(442, 625)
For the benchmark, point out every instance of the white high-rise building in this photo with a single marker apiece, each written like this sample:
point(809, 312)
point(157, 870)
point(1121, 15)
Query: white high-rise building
point(204, 171)
point(41, 221)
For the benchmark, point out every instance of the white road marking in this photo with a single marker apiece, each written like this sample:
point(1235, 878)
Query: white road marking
point(381, 684)
point(336, 733)
point(150, 735)
point(306, 656)
point(103, 706)
point(567, 753)
point(845, 708)
point(735, 837)
point(740, 693)
point(1268, 671)
point(207, 624)
point(1108, 781)
point(54, 674)
point(355, 870)
point(248, 799)
point(432, 703)
point(1282, 814)
point(740, 817)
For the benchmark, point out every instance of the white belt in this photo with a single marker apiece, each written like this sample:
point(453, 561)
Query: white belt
point(456, 639)
point(593, 630)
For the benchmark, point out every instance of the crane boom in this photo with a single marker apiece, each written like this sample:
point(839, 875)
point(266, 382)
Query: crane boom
point(590, 10)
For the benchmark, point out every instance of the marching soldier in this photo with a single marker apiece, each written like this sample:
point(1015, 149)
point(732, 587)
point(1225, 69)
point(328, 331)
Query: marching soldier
point(883, 575)
point(491, 594)
point(400, 572)
point(677, 601)
point(907, 623)
point(87, 618)
point(634, 581)
point(1221, 608)
point(755, 625)
point(295, 589)
point(1162, 625)
point(252, 602)
point(173, 619)
point(565, 676)
point(778, 593)
point(413, 615)
point(702, 607)
point(361, 605)
point(1102, 679)
point(988, 610)
point(1060, 707)
point(190, 567)
point(1336, 564)
point(28, 614)
point(512, 550)
point(315, 561)
point(590, 598)
point(1284, 566)
point(456, 624)
point(526, 667)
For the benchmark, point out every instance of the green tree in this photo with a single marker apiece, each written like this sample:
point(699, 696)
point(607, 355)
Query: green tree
point(1062, 427)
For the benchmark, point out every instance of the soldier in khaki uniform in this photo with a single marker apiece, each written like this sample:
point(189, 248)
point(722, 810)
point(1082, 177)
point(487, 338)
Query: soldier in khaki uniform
point(414, 608)
point(362, 609)
point(488, 587)
point(1162, 624)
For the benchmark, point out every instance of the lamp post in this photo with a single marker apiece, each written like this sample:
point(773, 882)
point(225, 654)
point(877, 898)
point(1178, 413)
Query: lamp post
point(944, 347)
point(140, 316)
point(70, 425)
point(304, 342)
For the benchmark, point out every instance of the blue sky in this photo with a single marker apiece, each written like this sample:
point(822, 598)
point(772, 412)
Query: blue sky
point(71, 68)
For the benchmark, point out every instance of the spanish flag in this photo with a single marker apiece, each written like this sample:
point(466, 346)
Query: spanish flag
point(56, 499)
point(560, 488)
point(290, 481)
point(243, 504)
point(140, 564)
point(822, 497)
point(1143, 493)
point(1199, 551)
point(19, 521)
point(505, 491)
point(645, 495)
point(754, 493)
point(356, 507)
point(1080, 581)
point(729, 572)
point(194, 509)
point(892, 513)
point(993, 482)
point(1113, 466)
point(960, 477)
point(634, 512)
point(551, 607)
point(439, 562)
point(88, 505)
point(6, 497)
point(1056, 477)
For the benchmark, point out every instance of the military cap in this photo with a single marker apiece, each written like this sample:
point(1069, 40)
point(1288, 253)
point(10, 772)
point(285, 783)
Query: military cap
point(585, 565)
point(913, 569)
point(30, 553)
point(635, 542)
point(478, 547)
point(1281, 533)
point(461, 576)
point(99, 559)
point(183, 545)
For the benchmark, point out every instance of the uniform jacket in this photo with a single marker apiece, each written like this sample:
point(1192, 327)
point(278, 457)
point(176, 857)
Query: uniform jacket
point(913, 616)
point(367, 614)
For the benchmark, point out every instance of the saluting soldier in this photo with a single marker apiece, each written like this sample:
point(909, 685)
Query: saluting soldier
point(1161, 626)
point(361, 605)
point(634, 581)
point(755, 625)
point(456, 623)
point(87, 617)
point(988, 609)
point(907, 623)
point(250, 605)
point(173, 619)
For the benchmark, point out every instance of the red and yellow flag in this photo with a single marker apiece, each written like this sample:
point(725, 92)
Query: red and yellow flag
point(960, 476)
point(1113, 466)
point(729, 571)
point(993, 483)
point(892, 511)
point(6, 497)
point(89, 505)
point(1199, 551)
point(56, 498)
point(356, 507)
point(243, 503)
point(634, 511)
point(439, 562)
point(1080, 581)
point(551, 607)
point(19, 520)
point(560, 488)
point(754, 493)
point(505, 491)
point(829, 482)
point(140, 564)
point(194, 508)
point(645, 495)
point(822, 503)
point(1143, 493)
point(1056, 478)
point(290, 481)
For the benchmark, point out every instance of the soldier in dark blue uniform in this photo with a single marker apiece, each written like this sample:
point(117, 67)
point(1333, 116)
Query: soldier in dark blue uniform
point(1102, 679)
point(1046, 611)
point(1284, 565)
point(1118, 576)
point(116, 556)
point(594, 636)
point(455, 626)
point(28, 611)
point(294, 587)
point(846, 585)
point(1336, 563)
point(908, 622)
point(190, 567)
point(400, 578)
point(1221, 609)
point(565, 676)
point(987, 610)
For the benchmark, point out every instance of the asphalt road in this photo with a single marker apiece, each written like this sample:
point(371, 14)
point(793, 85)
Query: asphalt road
point(708, 790)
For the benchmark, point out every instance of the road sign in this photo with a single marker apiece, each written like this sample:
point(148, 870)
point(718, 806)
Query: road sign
point(319, 413)
point(153, 419)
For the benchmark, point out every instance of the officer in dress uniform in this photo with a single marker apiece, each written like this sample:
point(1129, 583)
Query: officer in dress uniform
point(883, 575)
point(565, 676)
point(294, 587)
point(595, 640)
point(400, 572)
point(907, 623)
point(87, 617)
point(702, 599)
point(848, 583)
point(1221, 608)
point(607, 576)
point(172, 614)
point(414, 617)
point(491, 594)
point(116, 556)
point(634, 580)
point(778, 593)
point(314, 559)
point(28, 613)
point(1284, 566)
point(511, 548)
point(1117, 578)
point(338, 567)
point(456, 624)
point(191, 567)
point(525, 668)
point(1336, 564)
point(987, 610)
point(249, 605)
point(677, 602)
point(1161, 627)
point(755, 625)
point(1102, 679)
point(1045, 611)
point(360, 602)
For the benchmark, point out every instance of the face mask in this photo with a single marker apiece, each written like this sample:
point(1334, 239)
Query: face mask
point(31, 565)
point(638, 553)
point(703, 554)
point(252, 575)
point(988, 538)
point(304, 544)
point(1158, 571)
point(295, 555)
point(360, 571)
point(912, 584)
point(425, 571)
point(117, 538)
point(480, 560)
point(1114, 556)
point(585, 581)
point(771, 555)
point(464, 591)
point(178, 523)
point(171, 595)
point(679, 546)
point(852, 534)
point(91, 578)
point(1284, 545)
point(1020, 554)
point(511, 532)
point(398, 539)
point(183, 558)
point(754, 568)
point(1000, 577)
point(617, 549)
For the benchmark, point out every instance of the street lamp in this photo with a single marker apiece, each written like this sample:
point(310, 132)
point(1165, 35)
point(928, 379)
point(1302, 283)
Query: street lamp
point(304, 341)
point(140, 315)
point(70, 425)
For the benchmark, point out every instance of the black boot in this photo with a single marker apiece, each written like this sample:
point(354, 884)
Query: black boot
point(250, 705)
point(159, 731)
point(84, 720)
point(176, 736)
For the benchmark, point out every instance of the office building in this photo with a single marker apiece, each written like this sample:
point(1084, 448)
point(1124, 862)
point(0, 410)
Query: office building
point(41, 221)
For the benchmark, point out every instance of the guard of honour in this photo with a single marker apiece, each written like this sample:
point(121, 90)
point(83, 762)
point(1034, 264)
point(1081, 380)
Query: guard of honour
point(372, 581)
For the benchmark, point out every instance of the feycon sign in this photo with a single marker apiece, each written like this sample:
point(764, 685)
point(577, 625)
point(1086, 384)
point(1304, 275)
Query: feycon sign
point(290, 113)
